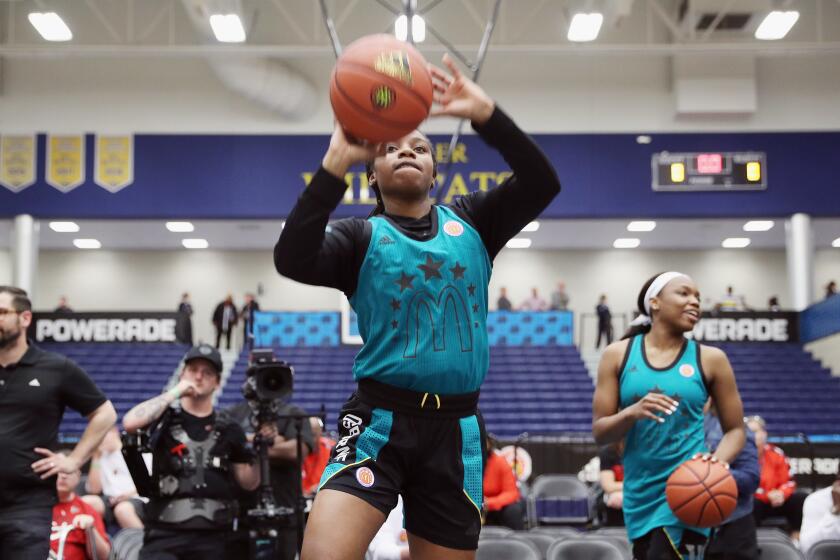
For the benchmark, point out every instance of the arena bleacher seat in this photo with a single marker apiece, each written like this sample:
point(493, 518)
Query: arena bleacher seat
point(128, 373)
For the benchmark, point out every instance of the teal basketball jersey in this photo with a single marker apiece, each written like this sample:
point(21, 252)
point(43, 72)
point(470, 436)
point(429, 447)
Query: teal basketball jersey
point(422, 307)
point(653, 450)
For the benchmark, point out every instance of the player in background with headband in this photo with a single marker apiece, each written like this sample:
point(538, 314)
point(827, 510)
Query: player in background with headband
point(651, 390)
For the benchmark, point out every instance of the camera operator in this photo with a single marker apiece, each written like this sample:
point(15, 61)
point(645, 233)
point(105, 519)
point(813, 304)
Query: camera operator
point(199, 457)
point(284, 471)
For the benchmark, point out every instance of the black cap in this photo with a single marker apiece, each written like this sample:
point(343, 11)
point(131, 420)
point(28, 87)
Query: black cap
point(205, 352)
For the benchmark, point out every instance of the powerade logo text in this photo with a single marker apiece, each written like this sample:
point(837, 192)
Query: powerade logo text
point(105, 330)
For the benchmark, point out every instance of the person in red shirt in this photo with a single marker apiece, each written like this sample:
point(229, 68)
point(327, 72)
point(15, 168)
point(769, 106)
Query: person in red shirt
point(502, 502)
point(315, 463)
point(611, 478)
point(78, 532)
point(776, 491)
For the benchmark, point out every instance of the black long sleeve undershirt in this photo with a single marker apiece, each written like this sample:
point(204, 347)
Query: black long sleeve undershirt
point(306, 252)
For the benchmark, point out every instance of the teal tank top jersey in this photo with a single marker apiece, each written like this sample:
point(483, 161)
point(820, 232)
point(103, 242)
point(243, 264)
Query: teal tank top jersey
point(653, 450)
point(422, 307)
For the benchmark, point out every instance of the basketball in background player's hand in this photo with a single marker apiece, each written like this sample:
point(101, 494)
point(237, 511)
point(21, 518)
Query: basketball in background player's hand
point(380, 88)
point(701, 493)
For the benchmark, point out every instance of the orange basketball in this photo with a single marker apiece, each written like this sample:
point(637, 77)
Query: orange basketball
point(380, 88)
point(701, 493)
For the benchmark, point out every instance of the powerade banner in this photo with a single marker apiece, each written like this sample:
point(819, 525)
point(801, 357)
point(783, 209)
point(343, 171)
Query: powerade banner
point(260, 176)
point(751, 326)
point(107, 327)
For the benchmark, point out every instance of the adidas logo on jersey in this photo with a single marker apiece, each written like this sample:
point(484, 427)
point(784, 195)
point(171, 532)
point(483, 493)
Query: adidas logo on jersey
point(386, 240)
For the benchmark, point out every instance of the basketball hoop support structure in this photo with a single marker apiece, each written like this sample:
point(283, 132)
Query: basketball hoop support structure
point(409, 9)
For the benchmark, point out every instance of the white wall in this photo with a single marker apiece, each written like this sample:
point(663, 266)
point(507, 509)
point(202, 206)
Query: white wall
point(155, 280)
point(5, 267)
point(545, 94)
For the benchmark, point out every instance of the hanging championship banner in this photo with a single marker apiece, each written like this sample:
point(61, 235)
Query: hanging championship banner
point(66, 161)
point(17, 162)
point(114, 162)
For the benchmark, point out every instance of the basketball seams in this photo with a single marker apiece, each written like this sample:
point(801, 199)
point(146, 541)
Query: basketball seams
point(706, 492)
point(345, 97)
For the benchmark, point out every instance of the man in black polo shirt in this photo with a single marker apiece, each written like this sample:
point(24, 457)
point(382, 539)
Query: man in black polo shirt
point(35, 388)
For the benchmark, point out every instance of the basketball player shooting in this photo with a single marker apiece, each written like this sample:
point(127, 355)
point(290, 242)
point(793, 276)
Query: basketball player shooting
point(416, 273)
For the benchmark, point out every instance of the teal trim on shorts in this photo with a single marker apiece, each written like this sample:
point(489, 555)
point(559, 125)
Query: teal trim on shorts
point(371, 441)
point(473, 460)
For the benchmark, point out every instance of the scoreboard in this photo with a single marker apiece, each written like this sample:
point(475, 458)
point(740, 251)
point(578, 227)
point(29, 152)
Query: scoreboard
point(709, 171)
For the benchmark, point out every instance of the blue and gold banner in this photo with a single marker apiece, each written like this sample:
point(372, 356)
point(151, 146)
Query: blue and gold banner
point(17, 161)
point(65, 161)
point(114, 162)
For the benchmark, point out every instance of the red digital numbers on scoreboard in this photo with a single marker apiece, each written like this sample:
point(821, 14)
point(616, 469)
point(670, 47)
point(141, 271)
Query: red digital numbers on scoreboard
point(709, 163)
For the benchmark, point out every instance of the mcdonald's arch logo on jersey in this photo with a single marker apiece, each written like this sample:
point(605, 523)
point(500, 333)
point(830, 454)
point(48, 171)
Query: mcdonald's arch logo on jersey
point(438, 314)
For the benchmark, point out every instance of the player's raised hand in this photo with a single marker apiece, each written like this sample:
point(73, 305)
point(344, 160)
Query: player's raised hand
point(458, 96)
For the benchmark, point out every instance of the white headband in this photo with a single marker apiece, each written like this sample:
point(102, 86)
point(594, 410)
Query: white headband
point(653, 291)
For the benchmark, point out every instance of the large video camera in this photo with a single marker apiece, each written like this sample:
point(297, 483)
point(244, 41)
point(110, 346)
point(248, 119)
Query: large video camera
point(268, 381)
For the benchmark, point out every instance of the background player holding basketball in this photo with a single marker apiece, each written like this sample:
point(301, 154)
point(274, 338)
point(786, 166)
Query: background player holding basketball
point(417, 277)
point(652, 387)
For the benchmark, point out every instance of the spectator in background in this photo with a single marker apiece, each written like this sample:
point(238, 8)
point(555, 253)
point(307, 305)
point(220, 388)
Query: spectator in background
point(247, 315)
point(534, 303)
point(316, 462)
point(36, 388)
point(821, 517)
point(736, 538)
point(391, 541)
point(78, 532)
point(224, 318)
point(731, 302)
point(611, 478)
point(186, 308)
point(503, 303)
point(776, 492)
point(560, 299)
point(111, 490)
point(830, 289)
point(501, 495)
point(605, 329)
point(62, 306)
point(773, 304)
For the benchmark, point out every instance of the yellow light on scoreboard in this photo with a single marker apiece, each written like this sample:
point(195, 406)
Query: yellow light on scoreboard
point(677, 172)
point(754, 171)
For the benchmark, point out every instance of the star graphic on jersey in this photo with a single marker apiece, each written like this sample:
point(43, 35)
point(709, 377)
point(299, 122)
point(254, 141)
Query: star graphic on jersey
point(657, 389)
point(475, 308)
point(395, 304)
point(458, 270)
point(405, 281)
point(431, 269)
point(471, 289)
point(394, 325)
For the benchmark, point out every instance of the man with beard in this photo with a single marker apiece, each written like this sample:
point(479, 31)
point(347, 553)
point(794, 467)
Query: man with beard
point(35, 388)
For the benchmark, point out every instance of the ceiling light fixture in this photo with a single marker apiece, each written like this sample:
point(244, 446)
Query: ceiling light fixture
point(627, 243)
point(641, 225)
point(87, 243)
point(195, 243)
point(735, 242)
point(776, 25)
point(518, 243)
point(64, 227)
point(180, 227)
point(533, 226)
point(50, 26)
point(759, 225)
point(227, 28)
point(585, 27)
